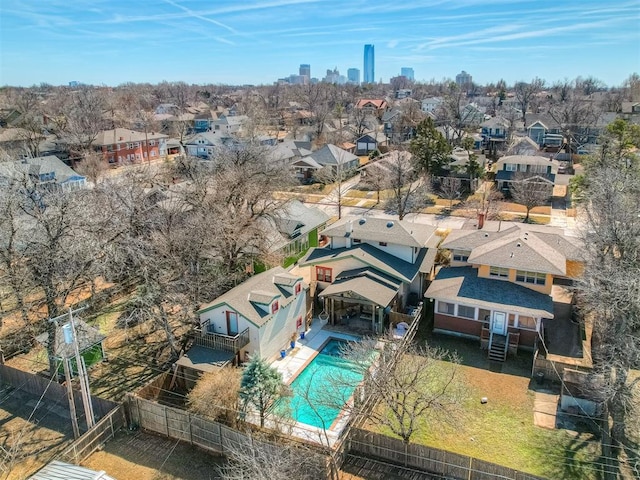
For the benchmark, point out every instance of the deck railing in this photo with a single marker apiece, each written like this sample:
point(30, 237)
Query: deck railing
point(227, 343)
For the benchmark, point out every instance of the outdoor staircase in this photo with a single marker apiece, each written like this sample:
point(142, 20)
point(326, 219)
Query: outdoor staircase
point(498, 347)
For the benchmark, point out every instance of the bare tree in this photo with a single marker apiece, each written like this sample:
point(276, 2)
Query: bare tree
point(254, 459)
point(486, 201)
point(611, 286)
point(450, 189)
point(530, 191)
point(334, 176)
point(408, 191)
point(409, 388)
point(525, 94)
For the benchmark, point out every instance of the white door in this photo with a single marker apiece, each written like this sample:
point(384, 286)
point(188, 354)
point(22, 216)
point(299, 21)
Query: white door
point(499, 323)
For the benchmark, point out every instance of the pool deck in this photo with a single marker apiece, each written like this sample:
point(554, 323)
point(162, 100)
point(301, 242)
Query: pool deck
point(305, 349)
point(293, 363)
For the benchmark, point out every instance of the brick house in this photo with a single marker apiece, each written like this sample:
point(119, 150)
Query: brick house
point(122, 146)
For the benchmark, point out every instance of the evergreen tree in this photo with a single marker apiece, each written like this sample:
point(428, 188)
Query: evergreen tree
point(261, 385)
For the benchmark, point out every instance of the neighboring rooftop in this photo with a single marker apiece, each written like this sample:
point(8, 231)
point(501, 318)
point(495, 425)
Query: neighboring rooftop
point(399, 232)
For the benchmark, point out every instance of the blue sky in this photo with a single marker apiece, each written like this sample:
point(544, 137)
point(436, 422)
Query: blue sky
point(256, 41)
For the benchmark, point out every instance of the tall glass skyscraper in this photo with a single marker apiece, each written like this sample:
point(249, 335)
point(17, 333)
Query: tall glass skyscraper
point(369, 64)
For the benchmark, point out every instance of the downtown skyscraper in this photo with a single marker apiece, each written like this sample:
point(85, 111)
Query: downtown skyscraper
point(369, 64)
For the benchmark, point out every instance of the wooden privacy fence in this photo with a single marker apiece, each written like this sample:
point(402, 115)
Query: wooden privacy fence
point(101, 432)
point(196, 430)
point(439, 462)
point(53, 391)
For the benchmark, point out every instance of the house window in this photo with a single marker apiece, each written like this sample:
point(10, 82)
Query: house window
point(531, 277)
point(129, 146)
point(466, 312)
point(275, 306)
point(298, 288)
point(511, 167)
point(526, 322)
point(153, 153)
point(461, 256)
point(499, 272)
point(512, 320)
point(152, 143)
point(382, 244)
point(136, 145)
point(357, 240)
point(138, 156)
point(446, 308)
point(323, 274)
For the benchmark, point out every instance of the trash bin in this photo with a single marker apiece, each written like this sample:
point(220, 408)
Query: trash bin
point(301, 335)
point(283, 353)
point(540, 378)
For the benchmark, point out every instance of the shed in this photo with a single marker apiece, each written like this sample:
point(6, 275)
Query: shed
point(57, 470)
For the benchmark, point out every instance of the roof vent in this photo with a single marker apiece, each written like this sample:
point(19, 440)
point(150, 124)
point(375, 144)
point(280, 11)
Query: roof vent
point(511, 254)
point(362, 221)
point(389, 224)
point(518, 244)
point(486, 235)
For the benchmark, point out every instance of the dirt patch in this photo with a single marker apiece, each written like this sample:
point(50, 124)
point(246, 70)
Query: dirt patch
point(143, 456)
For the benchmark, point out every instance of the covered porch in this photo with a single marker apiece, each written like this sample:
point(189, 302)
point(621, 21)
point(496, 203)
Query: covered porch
point(360, 299)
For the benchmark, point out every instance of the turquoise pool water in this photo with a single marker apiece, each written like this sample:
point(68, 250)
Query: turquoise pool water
point(315, 379)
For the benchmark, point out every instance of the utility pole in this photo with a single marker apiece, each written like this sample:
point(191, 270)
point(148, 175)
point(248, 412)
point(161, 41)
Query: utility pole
point(70, 338)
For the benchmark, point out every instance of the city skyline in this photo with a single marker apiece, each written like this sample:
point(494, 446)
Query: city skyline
point(112, 42)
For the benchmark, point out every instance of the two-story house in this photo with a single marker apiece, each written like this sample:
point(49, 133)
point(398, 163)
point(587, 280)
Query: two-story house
point(44, 173)
point(514, 168)
point(369, 268)
point(495, 128)
point(121, 146)
point(498, 285)
point(205, 145)
point(258, 317)
point(372, 106)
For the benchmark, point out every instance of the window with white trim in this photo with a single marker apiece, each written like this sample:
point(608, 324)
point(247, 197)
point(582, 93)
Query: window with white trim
point(531, 277)
point(511, 167)
point(323, 274)
point(446, 308)
point(460, 256)
point(466, 312)
point(499, 272)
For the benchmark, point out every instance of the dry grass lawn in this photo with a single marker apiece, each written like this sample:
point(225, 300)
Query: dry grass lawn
point(502, 430)
point(142, 456)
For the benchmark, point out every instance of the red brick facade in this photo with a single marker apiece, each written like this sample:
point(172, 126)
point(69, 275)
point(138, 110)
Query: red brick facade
point(474, 328)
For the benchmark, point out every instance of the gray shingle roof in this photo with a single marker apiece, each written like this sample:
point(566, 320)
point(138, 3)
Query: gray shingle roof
point(521, 246)
point(366, 283)
point(399, 232)
point(462, 285)
point(39, 165)
point(370, 256)
point(257, 290)
point(332, 155)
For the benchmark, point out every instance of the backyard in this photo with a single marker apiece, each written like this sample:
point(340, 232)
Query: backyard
point(502, 430)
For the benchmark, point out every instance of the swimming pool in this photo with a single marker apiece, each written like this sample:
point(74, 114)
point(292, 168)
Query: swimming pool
point(314, 383)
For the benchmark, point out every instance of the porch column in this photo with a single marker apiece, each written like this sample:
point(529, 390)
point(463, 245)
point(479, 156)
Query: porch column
point(333, 320)
point(380, 312)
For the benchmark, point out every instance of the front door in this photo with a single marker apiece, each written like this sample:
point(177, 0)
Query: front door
point(499, 323)
point(232, 324)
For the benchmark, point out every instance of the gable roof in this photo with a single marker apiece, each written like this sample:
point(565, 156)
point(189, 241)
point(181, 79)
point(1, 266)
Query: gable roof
point(367, 283)
point(332, 155)
point(519, 247)
point(260, 289)
point(371, 256)
point(56, 470)
point(377, 103)
point(462, 285)
point(39, 165)
point(399, 232)
point(528, 160)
